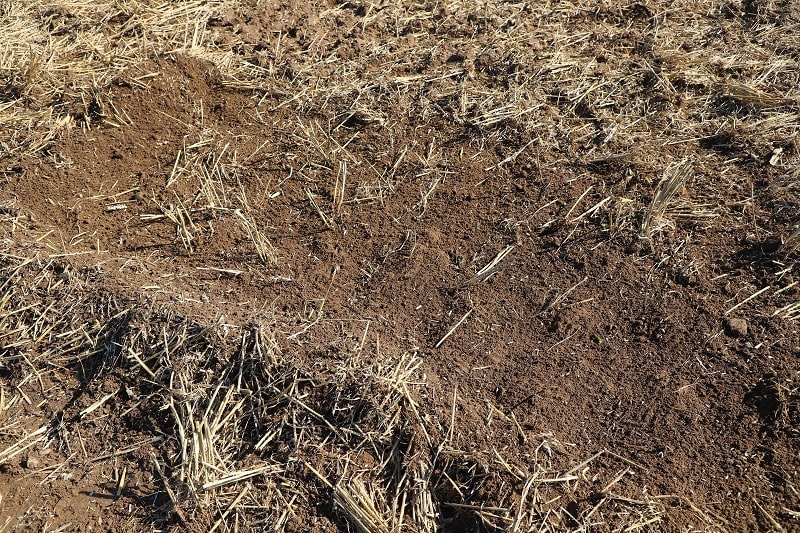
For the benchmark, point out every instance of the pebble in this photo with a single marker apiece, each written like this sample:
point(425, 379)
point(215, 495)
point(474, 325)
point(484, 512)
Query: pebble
point(736, 327)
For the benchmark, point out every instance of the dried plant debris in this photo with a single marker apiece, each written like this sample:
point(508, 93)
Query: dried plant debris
point(397, 266)
point(241, 422)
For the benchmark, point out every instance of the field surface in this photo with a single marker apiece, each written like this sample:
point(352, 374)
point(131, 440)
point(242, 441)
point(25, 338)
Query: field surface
point(388, 267)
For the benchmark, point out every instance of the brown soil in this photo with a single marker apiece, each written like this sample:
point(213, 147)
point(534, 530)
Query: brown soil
point(608, 325)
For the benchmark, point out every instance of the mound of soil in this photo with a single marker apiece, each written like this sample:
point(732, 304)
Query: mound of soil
point(547, 297)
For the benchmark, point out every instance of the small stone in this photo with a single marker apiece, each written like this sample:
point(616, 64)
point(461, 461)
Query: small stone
point(736, 327)
point(32, 462)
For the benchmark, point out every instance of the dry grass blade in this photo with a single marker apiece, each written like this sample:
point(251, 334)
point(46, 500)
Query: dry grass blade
point(751, 297)
point(674, 178)
point(789, 312)
point(24, 443)
point(493, 266)
point(236, 477)
point(128, 449)
point(230, 508)
point(170, 493)
point(185, 228)
point(753, 96)
point(453, 329)
point(558, 299)
point(97, 404)
point(313, 201)
point(262, 245)
point(792, 243)
point(774, 523)
point(338, 193)
point(359, 506)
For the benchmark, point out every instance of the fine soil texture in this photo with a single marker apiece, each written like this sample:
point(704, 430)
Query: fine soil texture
point(372, 266)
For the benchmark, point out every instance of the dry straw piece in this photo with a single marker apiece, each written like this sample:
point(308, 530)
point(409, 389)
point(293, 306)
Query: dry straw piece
point(675, 176)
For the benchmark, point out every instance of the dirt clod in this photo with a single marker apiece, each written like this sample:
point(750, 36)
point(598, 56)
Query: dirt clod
point(736, 327)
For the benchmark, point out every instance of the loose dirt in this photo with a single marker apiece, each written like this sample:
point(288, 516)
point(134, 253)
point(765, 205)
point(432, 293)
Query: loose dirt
point(465, 267)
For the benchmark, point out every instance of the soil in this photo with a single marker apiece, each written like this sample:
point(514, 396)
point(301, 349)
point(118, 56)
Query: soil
point(590, 336)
